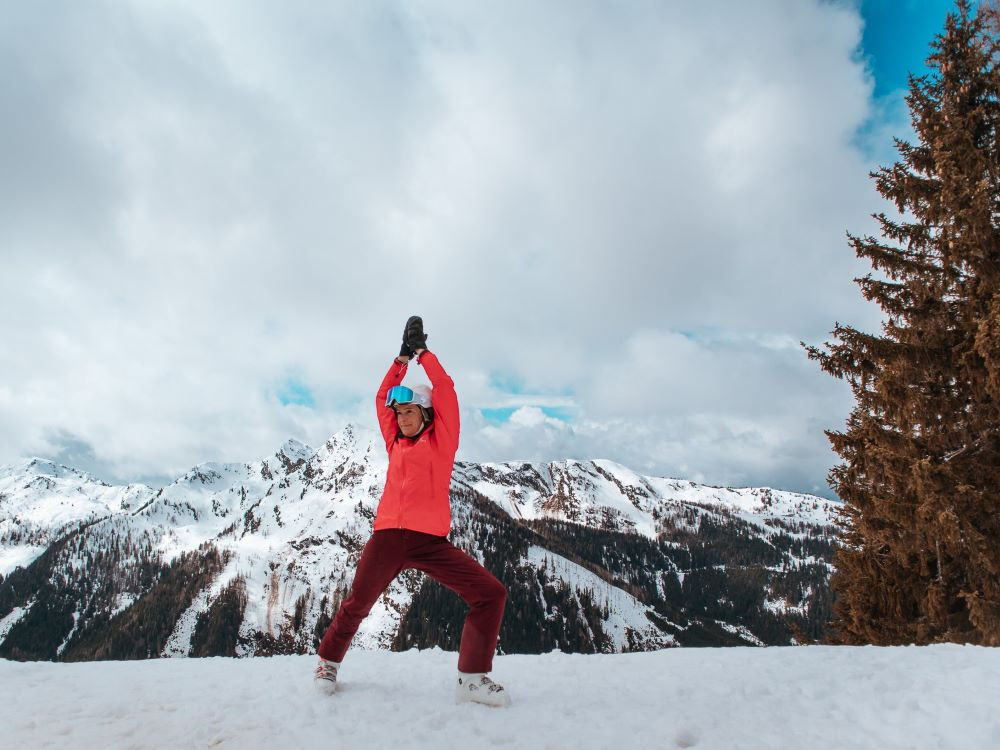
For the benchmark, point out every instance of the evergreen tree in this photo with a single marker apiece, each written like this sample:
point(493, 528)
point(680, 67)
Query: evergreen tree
point(920, 561)
point(991, 9)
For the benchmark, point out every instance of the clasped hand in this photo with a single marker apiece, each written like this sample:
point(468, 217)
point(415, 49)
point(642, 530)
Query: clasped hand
point(414, 338)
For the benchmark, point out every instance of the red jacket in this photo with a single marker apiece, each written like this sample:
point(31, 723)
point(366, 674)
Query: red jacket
point(419, 477)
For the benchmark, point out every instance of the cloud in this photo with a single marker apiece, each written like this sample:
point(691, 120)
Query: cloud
point(597, 202)
point(726, 411)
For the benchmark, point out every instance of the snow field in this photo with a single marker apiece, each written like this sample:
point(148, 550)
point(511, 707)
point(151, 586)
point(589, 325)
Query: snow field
point(806, 697)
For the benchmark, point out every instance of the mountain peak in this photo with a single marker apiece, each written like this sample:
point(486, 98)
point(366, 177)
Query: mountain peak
point(44, 467)
point(352, 436)
point(295, 450)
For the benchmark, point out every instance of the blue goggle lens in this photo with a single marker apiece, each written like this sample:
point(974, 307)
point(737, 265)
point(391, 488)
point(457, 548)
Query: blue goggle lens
point(399, 394)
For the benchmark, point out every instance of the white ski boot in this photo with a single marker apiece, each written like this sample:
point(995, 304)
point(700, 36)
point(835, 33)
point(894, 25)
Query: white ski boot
point(477, 687)
point(325, 676)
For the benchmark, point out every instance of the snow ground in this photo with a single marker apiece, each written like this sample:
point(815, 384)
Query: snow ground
point(806, 697)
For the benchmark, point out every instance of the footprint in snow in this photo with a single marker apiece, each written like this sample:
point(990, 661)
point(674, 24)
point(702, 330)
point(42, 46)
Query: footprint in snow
point(686, 738)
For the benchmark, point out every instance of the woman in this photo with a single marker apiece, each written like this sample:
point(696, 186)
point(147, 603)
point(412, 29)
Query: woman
point(420, 427)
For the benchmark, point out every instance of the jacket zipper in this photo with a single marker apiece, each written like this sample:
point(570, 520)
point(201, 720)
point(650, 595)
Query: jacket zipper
point(401, 485)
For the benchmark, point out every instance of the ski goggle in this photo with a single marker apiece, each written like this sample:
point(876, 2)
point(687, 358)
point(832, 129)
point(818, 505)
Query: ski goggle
point(399, 394)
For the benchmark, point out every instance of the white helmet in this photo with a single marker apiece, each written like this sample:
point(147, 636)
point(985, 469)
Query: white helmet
point(422, 395)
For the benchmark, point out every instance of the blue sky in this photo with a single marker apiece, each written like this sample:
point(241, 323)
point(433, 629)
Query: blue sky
point(896, 38)
point(294, 391)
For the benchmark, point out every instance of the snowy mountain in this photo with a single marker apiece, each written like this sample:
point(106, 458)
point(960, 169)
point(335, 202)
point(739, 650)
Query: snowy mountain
point(40, 501)
point(254, 558)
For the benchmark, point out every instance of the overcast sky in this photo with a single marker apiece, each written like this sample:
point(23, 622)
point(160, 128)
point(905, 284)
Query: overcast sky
point(617, 220)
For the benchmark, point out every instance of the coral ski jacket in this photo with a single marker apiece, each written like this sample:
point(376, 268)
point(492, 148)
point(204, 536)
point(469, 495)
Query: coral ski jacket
point(419, 477)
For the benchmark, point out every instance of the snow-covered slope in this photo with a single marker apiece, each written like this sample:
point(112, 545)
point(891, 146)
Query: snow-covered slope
point(626, 628)
point(41, 500)
point(604, 494)
point(822, 698)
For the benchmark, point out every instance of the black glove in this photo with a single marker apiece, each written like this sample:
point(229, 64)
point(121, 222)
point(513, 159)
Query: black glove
point(413, 335)
point(404, 350)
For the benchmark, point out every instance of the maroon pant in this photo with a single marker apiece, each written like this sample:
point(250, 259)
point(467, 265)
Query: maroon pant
point(390, 551)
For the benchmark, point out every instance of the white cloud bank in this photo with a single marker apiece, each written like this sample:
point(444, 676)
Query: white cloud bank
point(633, 211)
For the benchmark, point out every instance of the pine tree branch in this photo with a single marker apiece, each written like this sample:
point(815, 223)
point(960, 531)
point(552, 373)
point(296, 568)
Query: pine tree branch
point(897, 263)
point(975, 446)
point(894, 298)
